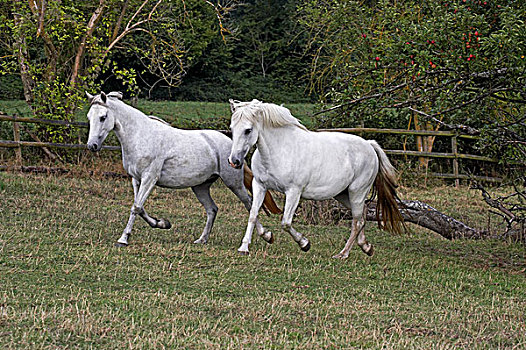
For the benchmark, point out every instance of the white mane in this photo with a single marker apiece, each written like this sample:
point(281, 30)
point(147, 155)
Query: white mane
point(116, 96)
point(271, 115)
point(159, 119)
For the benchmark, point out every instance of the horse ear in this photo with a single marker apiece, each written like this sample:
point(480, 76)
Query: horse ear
point(232, 105)
point(103, 97)
point(90, 96)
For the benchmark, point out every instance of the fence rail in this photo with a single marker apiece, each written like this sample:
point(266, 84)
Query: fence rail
point(454, 155)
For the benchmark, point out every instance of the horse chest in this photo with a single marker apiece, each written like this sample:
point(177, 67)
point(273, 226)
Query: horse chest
point(271, 180)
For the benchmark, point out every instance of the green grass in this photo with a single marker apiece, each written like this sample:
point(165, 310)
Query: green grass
point(64, 285)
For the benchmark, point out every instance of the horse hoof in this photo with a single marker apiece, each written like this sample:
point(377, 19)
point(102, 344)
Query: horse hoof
point(164, 224)
point(199, 241)
point(121, 245)
point(371, 251)
point(243, 252)
point(268, 237)
point(306, 247)
point(340, 256)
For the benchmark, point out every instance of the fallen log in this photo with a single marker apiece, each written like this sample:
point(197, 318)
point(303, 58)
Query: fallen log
point(424, 215)
point(415, 212)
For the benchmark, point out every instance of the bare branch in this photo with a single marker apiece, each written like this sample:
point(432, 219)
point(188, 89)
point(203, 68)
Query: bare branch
point(119, 21)
point(82, 47)
point(135, 26)
point(469, 130)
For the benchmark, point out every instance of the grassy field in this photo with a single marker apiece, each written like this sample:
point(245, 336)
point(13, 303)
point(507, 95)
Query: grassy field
point(64, 285)
point(182, 114)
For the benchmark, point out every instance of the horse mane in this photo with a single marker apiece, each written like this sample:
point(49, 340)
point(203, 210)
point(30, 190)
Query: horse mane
point(117, 96)
point(271, 115)
point(97, 99)
point(158, 119)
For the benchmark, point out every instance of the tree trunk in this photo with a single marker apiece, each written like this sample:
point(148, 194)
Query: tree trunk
point(27, 81)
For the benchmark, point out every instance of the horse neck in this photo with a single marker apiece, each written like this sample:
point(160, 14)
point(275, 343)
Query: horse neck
point(128, 121)
point(273, 141)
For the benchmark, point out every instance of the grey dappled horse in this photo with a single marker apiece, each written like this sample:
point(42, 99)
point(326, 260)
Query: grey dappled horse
point(154, 153)
point(312, 165)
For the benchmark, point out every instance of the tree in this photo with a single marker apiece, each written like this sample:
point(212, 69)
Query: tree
point(441, 64)
point(61, 48)
point(262, 58)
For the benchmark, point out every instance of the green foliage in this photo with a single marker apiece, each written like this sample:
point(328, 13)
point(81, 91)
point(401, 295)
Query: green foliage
point(11, 87)
point(62, 48)
point(263, 58)
point(450, 63)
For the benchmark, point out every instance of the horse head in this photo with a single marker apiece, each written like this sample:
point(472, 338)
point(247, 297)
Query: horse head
point(245, 127)
point(101, 119)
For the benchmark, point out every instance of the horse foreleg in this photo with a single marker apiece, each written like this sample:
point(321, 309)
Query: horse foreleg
point(243, 196)
point(202, 192)
point(153, 222)
point(141, 190)
point(292, 200)
point(258, 195)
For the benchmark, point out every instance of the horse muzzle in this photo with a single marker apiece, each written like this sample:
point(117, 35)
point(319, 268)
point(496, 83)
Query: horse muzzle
point(94, 147)
point(235, 162)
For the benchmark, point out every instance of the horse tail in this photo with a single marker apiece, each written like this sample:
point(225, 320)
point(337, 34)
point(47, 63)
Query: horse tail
point(387, 213)
point(269, 205)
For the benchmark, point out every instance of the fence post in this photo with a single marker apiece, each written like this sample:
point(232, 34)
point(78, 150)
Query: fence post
point(16, 138)
point(454, 150)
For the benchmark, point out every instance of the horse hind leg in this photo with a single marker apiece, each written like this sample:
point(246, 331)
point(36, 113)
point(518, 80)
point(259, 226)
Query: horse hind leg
point(367, 247)
point(357, 227)
point(202, 192)
point(358, 235)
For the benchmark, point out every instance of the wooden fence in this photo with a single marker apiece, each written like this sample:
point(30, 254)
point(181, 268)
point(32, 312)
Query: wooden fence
point(454, 155)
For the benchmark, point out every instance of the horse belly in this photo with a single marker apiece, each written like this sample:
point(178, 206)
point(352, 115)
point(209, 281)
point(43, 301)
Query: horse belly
point(321, 190)
point(176, 174)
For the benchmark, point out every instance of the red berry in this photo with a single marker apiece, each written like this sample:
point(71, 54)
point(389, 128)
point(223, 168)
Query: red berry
point(377, 58)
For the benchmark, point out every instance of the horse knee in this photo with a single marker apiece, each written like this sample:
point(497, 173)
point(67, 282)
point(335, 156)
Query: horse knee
point(137, 210)
point(212, 211)
point(286, 226)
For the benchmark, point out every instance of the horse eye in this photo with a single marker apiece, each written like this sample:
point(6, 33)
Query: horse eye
point(103, 118)
point(248, 131)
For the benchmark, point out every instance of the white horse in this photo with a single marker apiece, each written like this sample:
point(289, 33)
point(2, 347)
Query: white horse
point(311, 165)
point(154, 153)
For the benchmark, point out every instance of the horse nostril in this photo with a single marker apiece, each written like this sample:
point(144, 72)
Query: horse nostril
point(234, 163)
